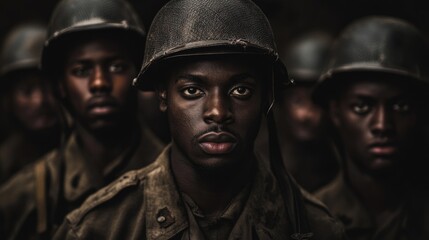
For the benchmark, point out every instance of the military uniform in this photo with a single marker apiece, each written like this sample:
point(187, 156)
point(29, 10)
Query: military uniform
point(146, 204)
point(344, 204)
point(16, 152)
point(69, 178)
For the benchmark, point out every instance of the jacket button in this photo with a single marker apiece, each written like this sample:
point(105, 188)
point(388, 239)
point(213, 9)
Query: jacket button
point(161, 219)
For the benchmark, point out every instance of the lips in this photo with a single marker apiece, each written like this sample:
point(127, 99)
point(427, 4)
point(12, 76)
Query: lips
point(102, 105)
point(382, 149)
point(217, 143)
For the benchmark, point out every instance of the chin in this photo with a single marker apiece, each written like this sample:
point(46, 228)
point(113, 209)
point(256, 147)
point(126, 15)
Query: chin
point(218, 163)
point(382, 166)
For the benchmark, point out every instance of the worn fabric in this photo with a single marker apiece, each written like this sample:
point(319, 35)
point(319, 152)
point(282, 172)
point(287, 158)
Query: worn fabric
point(217, 226)
point(70, 179)
point(410, 221)
point(147, 204)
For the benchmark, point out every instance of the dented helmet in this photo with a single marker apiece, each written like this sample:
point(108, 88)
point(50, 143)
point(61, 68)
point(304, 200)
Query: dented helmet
point(205, 27)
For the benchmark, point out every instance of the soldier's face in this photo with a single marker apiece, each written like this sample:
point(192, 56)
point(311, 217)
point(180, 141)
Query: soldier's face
point(377, 123)
point(97, 83)
point(214, 109)
point(303, 121)
point(32, 102)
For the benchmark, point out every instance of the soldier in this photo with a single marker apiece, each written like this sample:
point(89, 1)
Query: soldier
point(375, 91)
point(91, 54)
point(307, 151)
point(32, 120)
point(213, 63)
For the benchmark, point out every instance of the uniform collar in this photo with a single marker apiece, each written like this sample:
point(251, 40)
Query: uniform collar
point(348, 208)
point(354, 215)
point(81, 177)
point(263, 213)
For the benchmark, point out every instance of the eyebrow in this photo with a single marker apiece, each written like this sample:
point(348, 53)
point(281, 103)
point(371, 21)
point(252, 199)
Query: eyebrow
point(201, 79)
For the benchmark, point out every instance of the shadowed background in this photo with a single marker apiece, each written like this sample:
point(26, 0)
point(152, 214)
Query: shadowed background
point(288, 17)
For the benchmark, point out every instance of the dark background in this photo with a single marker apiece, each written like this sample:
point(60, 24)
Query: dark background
point(289, 18)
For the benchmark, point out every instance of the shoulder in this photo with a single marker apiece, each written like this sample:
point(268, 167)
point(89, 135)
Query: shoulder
point(323, 223)
point(19, 186)
point(332, 193)
point(115, 211)
point(125, 189)
point(22, 184)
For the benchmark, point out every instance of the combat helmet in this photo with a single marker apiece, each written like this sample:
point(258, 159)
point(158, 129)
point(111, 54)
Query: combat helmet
point(307, 56)
point(203, 27)
point(375, 44)
point(72, 17)
point(22, 48)
point(184, 28)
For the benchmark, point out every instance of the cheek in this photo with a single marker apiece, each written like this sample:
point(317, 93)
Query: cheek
point(247, 118)
point(185, 122)
point(21, 101)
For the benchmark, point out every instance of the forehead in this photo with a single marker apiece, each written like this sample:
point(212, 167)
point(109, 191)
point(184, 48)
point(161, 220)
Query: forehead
point(93, 46)
point(377, 87)
point(215, 67)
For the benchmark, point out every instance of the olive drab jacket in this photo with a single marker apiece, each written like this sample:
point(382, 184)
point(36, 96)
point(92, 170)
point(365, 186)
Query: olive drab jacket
point(410, 221)
point(36, 200)
point(146, 204)
point(17, 151)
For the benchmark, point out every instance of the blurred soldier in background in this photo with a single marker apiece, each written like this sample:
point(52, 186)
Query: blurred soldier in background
point(92, 53)
point(375, 90)
point(32, 121)
point(214, 64)
point(307, 151)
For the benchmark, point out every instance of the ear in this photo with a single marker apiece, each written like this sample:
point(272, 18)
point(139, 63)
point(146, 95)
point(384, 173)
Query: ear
point(162, 94)
point(334, 113)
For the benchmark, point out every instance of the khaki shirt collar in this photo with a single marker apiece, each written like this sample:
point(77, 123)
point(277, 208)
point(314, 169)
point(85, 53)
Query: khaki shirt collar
point(263, 213)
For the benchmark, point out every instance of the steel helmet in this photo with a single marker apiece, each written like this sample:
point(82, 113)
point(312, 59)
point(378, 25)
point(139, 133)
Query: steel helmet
point(307, 56)
point(376, 44)
point(22, 48)
point(71, 17)
point(185, 28)
point(206, 27)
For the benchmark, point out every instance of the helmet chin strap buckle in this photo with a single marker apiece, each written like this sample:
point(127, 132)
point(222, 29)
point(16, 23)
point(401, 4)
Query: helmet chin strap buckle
point(302, 236)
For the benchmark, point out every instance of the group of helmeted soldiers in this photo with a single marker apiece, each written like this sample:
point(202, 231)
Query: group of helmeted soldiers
point(198, 127)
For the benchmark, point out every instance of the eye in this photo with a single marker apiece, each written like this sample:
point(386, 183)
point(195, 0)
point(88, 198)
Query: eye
point(241, 92)
point(402, 107)
point(361, 108)
point(81, 71)
point(118, 67)
point(192, 92)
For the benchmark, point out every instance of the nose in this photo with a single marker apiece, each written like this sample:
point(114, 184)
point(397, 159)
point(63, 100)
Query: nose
point(217, 109)
point(308, 113)
point(381, 124)
point(100, 81)
point(37, 96)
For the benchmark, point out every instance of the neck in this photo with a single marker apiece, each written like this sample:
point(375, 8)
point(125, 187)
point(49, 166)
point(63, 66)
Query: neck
point(211, 190)
point(103, 147)
point(378, 193)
